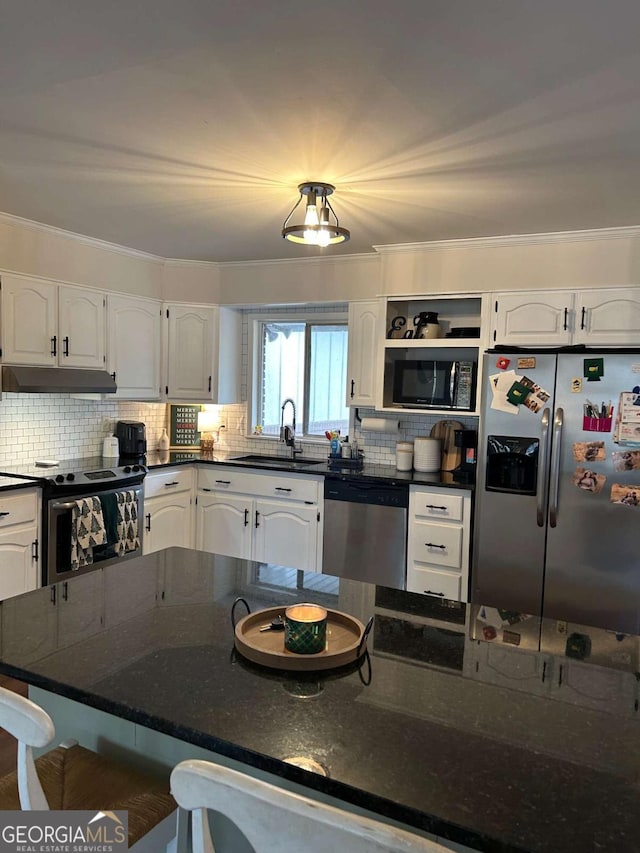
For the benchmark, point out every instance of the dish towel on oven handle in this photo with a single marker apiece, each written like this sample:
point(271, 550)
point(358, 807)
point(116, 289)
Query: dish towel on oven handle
point(87, 530)
point(128, 534)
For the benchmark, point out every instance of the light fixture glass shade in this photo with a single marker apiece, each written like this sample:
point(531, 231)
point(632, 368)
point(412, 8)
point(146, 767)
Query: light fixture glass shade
point(207, 422)
point(317, 230)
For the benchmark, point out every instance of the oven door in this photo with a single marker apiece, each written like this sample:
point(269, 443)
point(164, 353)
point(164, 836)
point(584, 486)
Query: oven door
point(59, 521)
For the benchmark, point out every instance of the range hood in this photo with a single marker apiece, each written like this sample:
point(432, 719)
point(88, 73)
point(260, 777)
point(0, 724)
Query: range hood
point(56, 380)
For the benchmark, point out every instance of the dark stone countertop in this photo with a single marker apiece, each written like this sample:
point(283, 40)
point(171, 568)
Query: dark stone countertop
point(369, 472)
point(8, 483)
point(420, 740)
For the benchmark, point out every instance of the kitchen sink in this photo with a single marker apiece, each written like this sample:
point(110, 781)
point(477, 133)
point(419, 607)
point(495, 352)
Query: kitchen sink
point(282, 461)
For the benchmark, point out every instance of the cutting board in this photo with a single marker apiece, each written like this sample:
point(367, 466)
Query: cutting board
point(451, 455)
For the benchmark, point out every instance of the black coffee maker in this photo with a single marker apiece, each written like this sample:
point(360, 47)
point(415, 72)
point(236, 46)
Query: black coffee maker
point(132, 439)
point(467, 439)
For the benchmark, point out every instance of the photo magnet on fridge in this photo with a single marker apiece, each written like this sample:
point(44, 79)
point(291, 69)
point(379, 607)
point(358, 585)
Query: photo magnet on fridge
point(589, 451)
point(625, 495)
point(588, 481)
point(594, 369)
point(518, 393)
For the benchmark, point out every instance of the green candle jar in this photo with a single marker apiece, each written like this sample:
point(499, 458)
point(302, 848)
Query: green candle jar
point(305, 629)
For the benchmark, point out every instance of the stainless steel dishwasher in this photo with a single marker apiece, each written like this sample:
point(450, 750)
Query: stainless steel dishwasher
point(365, 531)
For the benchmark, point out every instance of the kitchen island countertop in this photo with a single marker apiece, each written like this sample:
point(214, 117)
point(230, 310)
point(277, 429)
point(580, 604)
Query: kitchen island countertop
point(423, 743)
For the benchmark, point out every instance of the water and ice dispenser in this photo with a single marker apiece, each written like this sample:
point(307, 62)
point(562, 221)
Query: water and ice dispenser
point(512, 464)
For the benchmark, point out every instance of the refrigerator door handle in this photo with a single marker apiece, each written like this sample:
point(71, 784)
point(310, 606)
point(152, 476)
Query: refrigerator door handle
point(543, 489)
point(558, 423)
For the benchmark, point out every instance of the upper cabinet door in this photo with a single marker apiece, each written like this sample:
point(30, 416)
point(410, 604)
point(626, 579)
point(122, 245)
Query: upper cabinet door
point(82, 321)
point(134, 346)
point(190, 369)
point(361, 362)
point(29, 321)
point(533, 319)
point(608, 317)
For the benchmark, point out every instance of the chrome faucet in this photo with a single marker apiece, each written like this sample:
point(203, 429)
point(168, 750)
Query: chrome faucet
point(288, 433)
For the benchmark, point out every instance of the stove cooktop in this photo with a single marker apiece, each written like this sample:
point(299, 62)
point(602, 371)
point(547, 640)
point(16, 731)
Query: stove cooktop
point(83, 472)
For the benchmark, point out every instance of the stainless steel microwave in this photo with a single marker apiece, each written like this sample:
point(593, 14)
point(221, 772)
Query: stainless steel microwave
point(435, 384)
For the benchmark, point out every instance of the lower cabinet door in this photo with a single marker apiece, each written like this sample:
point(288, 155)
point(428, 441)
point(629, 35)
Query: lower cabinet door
point(224, 524)
point(18, 569)
point(286, 534)
point(167, 522)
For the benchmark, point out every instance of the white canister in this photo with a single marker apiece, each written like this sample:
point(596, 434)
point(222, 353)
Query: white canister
point(404, 455)
point(110, 447)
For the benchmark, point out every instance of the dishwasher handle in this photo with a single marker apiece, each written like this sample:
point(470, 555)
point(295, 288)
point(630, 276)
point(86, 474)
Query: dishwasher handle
point(378, 494)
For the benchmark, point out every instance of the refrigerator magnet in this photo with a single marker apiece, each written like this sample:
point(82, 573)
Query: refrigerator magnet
point(593, 369)
point(589, 451)
point(588, 481)
point(518, 393)
point(626, 460)
point(502, 363)
point(511, 637)
point(625, 495)
point(537, 396)
point(527, 363)
point(576, 385)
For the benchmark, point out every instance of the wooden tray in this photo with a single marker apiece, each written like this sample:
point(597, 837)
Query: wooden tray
point(344, 635)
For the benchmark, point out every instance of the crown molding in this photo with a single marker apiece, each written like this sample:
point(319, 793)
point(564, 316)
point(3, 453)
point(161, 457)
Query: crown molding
point(179, 262)
point(94, 242)
point(325, 259)
point(514, 240)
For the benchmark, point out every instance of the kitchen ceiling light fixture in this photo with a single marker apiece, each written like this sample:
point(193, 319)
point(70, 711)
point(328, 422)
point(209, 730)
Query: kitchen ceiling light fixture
point(317, 229)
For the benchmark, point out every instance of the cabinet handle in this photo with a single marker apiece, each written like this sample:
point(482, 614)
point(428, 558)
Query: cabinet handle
point(224, 482)
point(65, 346)
point(172, 483)
point(4, 514)
point(565, 324)
point(433, 506)
point(34, 550)
point(353, 385)
point(65, 591)
point(54, 345)
point(583, 318)
point(209, 384)
point(544, 671)
point(257, 517)
point(207, 490)
point(246, 517)
point(281, 489)
point(53, 595)
point(113, 376)
point(431, 592)
point(560, 675)
point(148, 525)
point(432, 545)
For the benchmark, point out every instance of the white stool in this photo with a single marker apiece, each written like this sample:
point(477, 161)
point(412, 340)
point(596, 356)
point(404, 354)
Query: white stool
point(273, 819)
point(71, 777)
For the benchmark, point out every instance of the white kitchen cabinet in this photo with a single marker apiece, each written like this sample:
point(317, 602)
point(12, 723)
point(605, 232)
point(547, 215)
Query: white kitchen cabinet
point(134, 333)
point(224, 524)
point(50, 325)
point(608, 317)
point(19, 542)
point(202, 345)
point(438, 542)
point(361, 357)
point(286, 534)
point(168, 509)
point(505, 666)
point(598, 317)
point(80, 604)
point(540, 318)
point(272, 518)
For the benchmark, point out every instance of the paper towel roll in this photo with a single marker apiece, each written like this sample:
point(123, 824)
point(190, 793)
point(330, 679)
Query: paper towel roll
point(380, 425)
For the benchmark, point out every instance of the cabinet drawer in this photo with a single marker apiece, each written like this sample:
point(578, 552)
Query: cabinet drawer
point(168, 481)
point(273, 485)
point(18, 508)
point(431, 582)
point(440, 544)
point(439, 504)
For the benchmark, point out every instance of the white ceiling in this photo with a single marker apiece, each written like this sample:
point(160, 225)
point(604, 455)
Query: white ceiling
point(182, 127)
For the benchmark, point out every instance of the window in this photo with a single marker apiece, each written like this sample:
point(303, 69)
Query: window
point(306, 361)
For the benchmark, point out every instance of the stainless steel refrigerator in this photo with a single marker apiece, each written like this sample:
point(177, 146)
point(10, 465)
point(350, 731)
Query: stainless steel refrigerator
point(557, 526)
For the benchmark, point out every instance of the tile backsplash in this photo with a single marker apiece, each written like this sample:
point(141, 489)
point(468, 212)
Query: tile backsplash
point(58, 426)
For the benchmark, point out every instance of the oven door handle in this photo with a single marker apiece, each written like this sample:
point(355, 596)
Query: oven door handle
point(60, 507)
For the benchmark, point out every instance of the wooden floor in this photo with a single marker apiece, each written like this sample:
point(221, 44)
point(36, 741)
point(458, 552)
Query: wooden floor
point(8, 747)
